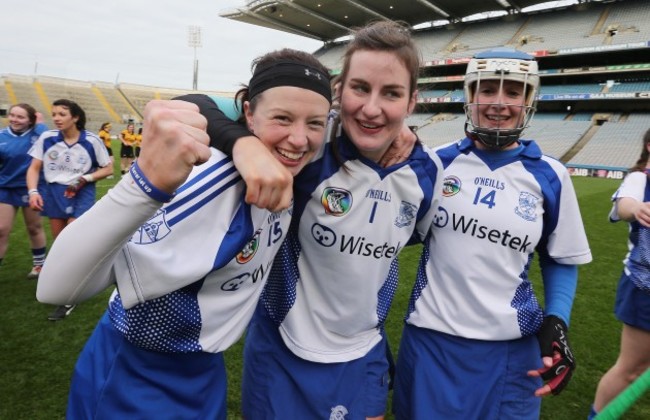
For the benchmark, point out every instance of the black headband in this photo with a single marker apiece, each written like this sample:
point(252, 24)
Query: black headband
point(290, 73)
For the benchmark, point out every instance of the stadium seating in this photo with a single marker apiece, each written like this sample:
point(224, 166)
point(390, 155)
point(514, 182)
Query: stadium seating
point(584, 136)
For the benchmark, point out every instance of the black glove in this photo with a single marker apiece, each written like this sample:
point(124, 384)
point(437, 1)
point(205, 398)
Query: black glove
point(554, 342)
point(74, 188)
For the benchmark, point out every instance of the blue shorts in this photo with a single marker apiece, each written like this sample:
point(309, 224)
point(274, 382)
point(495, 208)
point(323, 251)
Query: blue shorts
point(56, 206)
point(440, 376)
point(16, 197)
point(632, 304)
point(278, 384)
point(113, 379)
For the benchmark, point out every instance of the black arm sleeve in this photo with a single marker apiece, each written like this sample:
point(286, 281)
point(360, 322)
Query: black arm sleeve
point(223, 131)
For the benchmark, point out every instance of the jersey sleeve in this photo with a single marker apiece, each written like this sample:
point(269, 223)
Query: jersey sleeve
point(633, 186)
point(80, 265)
point(100, 151)
point(36, 151)
point(436, 176)
point(223, 131)
point(567, 243)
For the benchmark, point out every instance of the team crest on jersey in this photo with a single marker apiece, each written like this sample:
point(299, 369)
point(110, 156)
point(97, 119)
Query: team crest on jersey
point(53, 154)
point(450, 186)
point(406, 215)
point(250, 249)
point(152, 230)
point(527, 206)
point(336, 201)
point(338, 413)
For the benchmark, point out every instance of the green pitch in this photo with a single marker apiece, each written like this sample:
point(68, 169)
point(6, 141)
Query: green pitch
point(37, 356)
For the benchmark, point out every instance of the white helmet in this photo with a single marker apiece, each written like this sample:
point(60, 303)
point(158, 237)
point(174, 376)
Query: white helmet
point(500, 64)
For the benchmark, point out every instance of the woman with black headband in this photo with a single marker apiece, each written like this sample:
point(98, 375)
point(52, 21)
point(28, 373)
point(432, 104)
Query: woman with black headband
point(188, 255)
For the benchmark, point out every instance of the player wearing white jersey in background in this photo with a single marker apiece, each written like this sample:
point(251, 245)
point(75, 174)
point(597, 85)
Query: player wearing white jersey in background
point(71, 160)
point(632, 204)
point(189, 272)
point(474, 329)
point(316, 346)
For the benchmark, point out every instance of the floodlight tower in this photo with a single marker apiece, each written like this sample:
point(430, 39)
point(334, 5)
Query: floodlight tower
point(194, 41)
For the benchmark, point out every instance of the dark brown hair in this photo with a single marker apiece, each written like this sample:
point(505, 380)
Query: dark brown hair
point(387, 36)
point(268, 59)
point(642, 163)
point(75, 111)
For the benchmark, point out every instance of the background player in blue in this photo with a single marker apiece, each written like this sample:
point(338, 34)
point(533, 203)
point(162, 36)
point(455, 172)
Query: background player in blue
point(15, 141)
point(190, 276)
point(71, 159)
point(632, 204)
point(474, 330)
point(315, 347)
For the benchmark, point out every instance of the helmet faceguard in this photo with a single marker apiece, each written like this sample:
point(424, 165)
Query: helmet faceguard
point(500, 64)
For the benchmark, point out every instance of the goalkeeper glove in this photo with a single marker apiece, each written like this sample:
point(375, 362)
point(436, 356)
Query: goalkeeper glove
point(76, 185)
point(554, 342)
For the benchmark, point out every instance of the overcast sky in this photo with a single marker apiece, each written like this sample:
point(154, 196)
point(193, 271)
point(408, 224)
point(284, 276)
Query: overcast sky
point(135, 41)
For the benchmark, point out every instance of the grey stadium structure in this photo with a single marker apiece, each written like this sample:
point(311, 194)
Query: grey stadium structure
point(594, 59)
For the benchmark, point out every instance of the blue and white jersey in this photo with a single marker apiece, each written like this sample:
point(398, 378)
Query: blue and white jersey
point(14, 157)
point(497, 209)
point(333, 281)
point(62, 164)
point(189, 279)
point(637, 261)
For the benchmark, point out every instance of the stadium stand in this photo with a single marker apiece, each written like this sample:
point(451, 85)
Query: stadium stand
point(102, 101)
point(594, 56)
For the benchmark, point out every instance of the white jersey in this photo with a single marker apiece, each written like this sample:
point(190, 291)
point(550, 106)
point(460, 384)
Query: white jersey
point(333, 281)
point(62, 164)
point(636, 265)
point(191, 276)
point(496, 210)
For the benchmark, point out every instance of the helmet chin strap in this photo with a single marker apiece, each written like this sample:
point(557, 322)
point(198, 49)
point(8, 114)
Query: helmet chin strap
point(493, 139)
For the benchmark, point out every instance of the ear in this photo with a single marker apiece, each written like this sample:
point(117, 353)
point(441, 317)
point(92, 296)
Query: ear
point(413, 101)
point(249, 116)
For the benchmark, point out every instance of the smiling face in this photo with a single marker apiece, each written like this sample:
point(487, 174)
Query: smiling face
point(290, 121)
point(19, 119)
point(495, 107)
point(498, 107)
point(62, 118)
point(375, 101)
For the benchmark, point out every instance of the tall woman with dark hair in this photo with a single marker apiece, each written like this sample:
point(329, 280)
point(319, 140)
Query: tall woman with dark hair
point(15, 142)
point(71, 159)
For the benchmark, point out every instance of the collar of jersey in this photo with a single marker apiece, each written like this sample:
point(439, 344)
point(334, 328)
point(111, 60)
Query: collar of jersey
point(82, 136)
point(529, 148)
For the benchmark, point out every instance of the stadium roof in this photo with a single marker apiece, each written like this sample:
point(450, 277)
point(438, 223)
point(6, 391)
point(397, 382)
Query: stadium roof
point(327, 20)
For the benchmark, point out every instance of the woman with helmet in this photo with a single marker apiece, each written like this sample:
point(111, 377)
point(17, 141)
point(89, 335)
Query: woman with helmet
point(476, 343)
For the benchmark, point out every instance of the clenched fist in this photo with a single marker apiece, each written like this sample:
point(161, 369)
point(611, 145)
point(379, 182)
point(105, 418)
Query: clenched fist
point(173, 141)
